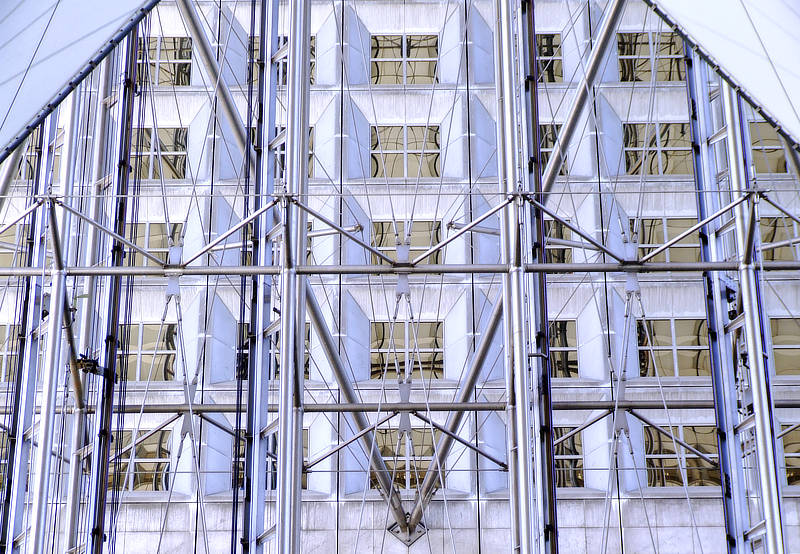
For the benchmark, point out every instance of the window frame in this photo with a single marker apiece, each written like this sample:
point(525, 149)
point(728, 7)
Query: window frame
point(654, 147)
point(139, 353)
point(410, 357)
point(683, 458)
point(415, 465)
point(128, 481)
point(404, 59)
point(629, 59)
point(556, 350)
point(781, 348)
point(387, 232)
point(378, 152)
point(550, 58)
point(646, 364)
point(568, 464)
point(156, 63)
point(149, 154)
point(665, 224)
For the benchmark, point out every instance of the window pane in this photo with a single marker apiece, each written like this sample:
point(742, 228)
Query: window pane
point(668, 44)
point(387, 46)
point(694, 363)
point(423, 165)
point(658, 331)
point(173, 140)
point(633, 44)
point(388, 166)
point(634, 69)
point(387, 73)
point(691, 332)
point(422, 46)
point(387, 138)
point(669, 69)
point(787, 361)
point(563, 334)
point(785, 330)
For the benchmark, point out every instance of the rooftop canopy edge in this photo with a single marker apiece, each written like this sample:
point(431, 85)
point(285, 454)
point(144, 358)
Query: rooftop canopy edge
point(47, 47)
point(755, 45)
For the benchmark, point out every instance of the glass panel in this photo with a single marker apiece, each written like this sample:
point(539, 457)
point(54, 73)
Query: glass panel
point(658, 330)
point(785, 330)
point(668, 44)
point(787, 361)
point(387, 46)
point(676, 162)
point(691, 332)
point(386, 137)
point(563, 334)
point(633, 44)
point(674, 135)
point(422, 46)
point(694, 363)
point(423, 138)
point(423, 165)
point(670, 69)
point(387, 73)
point(173, 140)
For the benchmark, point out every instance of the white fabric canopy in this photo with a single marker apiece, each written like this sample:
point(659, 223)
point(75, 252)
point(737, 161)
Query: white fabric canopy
point(756, 44)
point(44, 44)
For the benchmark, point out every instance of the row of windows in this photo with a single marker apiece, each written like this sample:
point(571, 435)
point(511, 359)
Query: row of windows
point(640, 56)
point(146, 466)
point(414, 151)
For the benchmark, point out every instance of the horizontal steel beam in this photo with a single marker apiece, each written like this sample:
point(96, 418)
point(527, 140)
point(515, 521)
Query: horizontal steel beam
point(423, 407)
point(553, 268)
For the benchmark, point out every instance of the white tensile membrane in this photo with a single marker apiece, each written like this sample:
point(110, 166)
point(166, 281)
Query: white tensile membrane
point(756, 43)
point(44, 44)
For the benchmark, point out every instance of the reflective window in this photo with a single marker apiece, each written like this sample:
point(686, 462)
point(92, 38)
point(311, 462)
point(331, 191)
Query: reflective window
point(404, 59)
point(657, 148)
point(547, 137)
point(778, 239)
point(13, 244)
point(143, 466)
point(557, 252)
point(156, 238)
point(397, 151)
point(400, 350)
point(147, 351)
point(9, 341)
point(791, 455)
point(568, 455)
point(420, 237)
point(165, 61)
point(162, 158)
point(640, 54)
point(664, 462)
point(673, 347)
point(785, 345)
point(563, 348)
point(652, 232)
point(767, 148)
point(408, 456)
point(549, 57)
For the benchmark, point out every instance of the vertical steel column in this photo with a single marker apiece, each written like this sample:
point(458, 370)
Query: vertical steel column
point(543, 415)
point(290, 403)
point(518, 412)
point(754, 327)
point(19, 447)
point(258, 378)
point(88, 308)
point(105, 396)
point(734, 500)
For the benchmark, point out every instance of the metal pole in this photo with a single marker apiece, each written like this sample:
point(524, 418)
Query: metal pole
point(759, 379)
point(51, 367)
point(604, 37)
point(206, 52)
point(360, 422)
point(87, 313)
point(518, 412)
point(454, 419)
point(290, 394)
point(10, 167)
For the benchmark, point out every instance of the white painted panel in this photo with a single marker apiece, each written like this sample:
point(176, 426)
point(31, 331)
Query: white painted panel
point(755, 43)
point(43, 45)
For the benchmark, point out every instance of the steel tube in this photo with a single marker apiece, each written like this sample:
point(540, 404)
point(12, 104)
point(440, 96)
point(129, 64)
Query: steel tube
point(89, 303)
point(759, 380)
point(360, 422)
point(9, 172)
point(290, 393)
point(518, 413)
point(605, 35)
point(552, 268)
point(453, 423)
point(206, 52)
